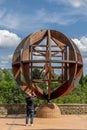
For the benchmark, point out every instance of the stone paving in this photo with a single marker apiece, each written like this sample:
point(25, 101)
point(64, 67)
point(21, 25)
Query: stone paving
point(64, 122)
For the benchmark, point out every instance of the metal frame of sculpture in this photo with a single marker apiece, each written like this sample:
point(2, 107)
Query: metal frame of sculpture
point(57, 58)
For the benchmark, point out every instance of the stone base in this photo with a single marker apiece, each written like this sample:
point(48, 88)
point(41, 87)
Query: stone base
point(48, 110)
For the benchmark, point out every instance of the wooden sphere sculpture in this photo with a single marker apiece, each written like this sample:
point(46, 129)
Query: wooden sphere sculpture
point(54, 57)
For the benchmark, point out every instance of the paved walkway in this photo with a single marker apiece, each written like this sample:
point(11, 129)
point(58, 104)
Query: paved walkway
point(64, 122)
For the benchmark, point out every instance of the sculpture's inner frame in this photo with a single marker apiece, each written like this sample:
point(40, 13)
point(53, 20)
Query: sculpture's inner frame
point(55, 56)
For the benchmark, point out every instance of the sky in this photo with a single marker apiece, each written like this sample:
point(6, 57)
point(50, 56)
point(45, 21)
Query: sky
point(19, 18)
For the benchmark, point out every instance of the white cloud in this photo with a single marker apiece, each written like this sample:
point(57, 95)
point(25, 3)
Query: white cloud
point(76, 3)
point(81, 43)
point(53, 17)
point(39, 18)
point(8, 39)
point(73, 3)
point(9, 19)
point(10, 57)
point(72, 10)
point(43, 16)
point(5, 61)
point(8, 42)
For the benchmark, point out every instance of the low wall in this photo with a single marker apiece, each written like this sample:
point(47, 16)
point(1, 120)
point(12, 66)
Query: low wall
point(73, 108)
point(64, 108)
point(12, 109)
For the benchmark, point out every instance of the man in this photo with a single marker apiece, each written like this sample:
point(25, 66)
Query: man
point(30, 109)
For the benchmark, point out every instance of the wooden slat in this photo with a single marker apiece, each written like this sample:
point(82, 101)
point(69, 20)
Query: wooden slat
point(60, 44)
point(36, 37)
point(43, 81)
point(53, 61)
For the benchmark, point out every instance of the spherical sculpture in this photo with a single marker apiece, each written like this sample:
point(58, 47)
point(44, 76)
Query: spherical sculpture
point(56, 60)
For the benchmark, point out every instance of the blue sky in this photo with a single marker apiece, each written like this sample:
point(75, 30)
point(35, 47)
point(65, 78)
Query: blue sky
point(19, 18)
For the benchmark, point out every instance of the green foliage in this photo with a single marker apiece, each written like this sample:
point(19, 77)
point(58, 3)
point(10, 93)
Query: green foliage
point(78, 95)
point(1, 75)
point(35, 73)
point(10, 92)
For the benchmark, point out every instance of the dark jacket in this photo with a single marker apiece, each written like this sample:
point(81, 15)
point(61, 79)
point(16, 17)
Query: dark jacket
point(30, 103)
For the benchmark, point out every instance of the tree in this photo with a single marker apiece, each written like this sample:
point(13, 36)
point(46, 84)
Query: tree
point(1, 75)
point(10, 91)
point(35, 73)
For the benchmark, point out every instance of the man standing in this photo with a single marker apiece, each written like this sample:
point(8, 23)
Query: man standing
point(30, 110)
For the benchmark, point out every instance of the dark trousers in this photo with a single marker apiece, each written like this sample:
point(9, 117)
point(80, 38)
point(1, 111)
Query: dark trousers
point(30, 114)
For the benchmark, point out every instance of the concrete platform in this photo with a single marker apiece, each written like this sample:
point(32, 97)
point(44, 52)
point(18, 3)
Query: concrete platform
point(64, 122)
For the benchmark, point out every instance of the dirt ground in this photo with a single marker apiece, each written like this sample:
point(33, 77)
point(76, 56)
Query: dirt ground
point(64, 122)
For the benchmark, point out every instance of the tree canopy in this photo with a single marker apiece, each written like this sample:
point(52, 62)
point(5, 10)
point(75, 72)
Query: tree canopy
point(10, 91)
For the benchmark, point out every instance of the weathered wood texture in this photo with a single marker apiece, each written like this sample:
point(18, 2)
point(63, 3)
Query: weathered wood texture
point(57, 58)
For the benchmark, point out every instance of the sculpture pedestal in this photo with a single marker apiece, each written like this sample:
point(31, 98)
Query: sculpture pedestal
point(48, 110)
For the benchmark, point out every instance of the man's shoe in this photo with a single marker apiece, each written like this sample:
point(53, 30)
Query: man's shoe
point(31, 124)
point(26, 124)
